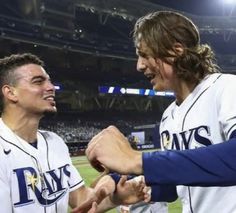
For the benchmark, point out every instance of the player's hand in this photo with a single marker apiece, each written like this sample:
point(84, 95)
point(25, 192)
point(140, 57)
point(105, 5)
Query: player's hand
point(130, 191)
point(147, 194)
point(110, 149)
point(103, 187)
point(90, 205)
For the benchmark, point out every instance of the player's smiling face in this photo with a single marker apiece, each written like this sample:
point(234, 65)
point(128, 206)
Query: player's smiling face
point(34, 91)
point(159, 73)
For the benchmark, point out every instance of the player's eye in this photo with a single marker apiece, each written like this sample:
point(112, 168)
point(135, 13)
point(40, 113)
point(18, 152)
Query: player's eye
point(37, 82)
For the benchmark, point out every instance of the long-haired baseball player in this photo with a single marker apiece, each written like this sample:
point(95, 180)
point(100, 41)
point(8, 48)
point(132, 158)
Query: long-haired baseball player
point(171, 56)
point(36, 173)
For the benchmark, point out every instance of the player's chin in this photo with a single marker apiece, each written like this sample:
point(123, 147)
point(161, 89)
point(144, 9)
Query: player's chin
point(50, 111)
point(159, 87)
point(156, 88)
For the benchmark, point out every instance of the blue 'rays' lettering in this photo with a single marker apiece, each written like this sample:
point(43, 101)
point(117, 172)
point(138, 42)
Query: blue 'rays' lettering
point(57, 179)
point(176, 143)
point(23, 186)
point(183, 140)
point(199, 138)
point(28, 179)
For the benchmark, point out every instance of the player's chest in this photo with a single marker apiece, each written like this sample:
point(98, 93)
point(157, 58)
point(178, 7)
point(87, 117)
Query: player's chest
point(190, 127)
point(33, 177)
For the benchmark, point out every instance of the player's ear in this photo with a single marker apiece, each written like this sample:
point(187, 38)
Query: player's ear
point(178, 48)
point(9, 93)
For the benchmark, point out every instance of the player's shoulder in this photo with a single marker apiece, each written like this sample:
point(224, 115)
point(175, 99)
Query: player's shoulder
point(53, 139)
point(225, 82)
point(226, 79)
point(216, 84)
point(51, 136)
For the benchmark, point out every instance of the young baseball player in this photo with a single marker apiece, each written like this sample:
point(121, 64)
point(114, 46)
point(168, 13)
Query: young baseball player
point(36, 173)
point(204, 113)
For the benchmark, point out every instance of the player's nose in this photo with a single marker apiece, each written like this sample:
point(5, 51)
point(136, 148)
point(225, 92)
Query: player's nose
point(141, 67)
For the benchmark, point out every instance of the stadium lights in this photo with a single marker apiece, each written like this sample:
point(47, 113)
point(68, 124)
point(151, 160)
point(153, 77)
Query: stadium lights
point(229, 1)
point(57, 87)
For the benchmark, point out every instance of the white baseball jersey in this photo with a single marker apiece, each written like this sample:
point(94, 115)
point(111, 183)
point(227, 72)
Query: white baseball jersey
point(207, 116)
point(144, 208)
point(33, 179)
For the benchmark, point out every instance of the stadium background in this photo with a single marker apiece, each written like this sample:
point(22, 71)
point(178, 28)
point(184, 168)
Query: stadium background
point(87, 44)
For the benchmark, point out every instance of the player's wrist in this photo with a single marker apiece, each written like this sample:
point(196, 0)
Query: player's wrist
point(136, 166)
point(107, 184)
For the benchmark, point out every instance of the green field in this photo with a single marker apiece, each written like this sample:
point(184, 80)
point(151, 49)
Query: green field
point(89, 174)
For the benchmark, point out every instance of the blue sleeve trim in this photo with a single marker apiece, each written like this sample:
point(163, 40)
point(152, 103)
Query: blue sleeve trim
point(159, 193)
point(116, 177)
point(76, 184)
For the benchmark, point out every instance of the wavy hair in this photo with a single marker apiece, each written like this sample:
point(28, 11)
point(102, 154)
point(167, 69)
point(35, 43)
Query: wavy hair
point(161, 30)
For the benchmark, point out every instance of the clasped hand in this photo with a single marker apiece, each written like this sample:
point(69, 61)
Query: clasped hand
point(108, 196)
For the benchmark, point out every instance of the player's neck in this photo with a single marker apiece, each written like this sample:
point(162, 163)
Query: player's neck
point(182, 91)
point(24, 127)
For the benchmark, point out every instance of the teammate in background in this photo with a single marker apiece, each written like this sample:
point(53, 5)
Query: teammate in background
point(36, 173)
point(204, 113)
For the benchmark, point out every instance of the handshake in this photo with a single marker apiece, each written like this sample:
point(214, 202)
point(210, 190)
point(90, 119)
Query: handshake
point(109, 152)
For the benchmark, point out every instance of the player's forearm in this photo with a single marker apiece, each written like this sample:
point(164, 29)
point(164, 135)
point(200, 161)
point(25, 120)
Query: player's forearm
point(105, 205)
point(209, 166)
point(78, 196)
point(107, 184)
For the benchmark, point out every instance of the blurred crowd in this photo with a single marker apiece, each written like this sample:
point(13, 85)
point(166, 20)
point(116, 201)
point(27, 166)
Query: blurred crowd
point(74, 130)
point(77, 132)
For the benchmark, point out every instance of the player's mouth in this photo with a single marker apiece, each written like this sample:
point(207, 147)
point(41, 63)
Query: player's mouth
point(150, 77)
point(51, 99)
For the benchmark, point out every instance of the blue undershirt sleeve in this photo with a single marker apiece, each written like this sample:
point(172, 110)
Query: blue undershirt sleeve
point(159, 193)
point(163, 193)
point(214, 165)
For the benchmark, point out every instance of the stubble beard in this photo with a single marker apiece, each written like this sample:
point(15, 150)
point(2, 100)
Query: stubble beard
point(50, 112)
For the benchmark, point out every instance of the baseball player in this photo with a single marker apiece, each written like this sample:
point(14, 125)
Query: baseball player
point(183, 128)
point(36, 173)
point(204, 110)
point(204, 113)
